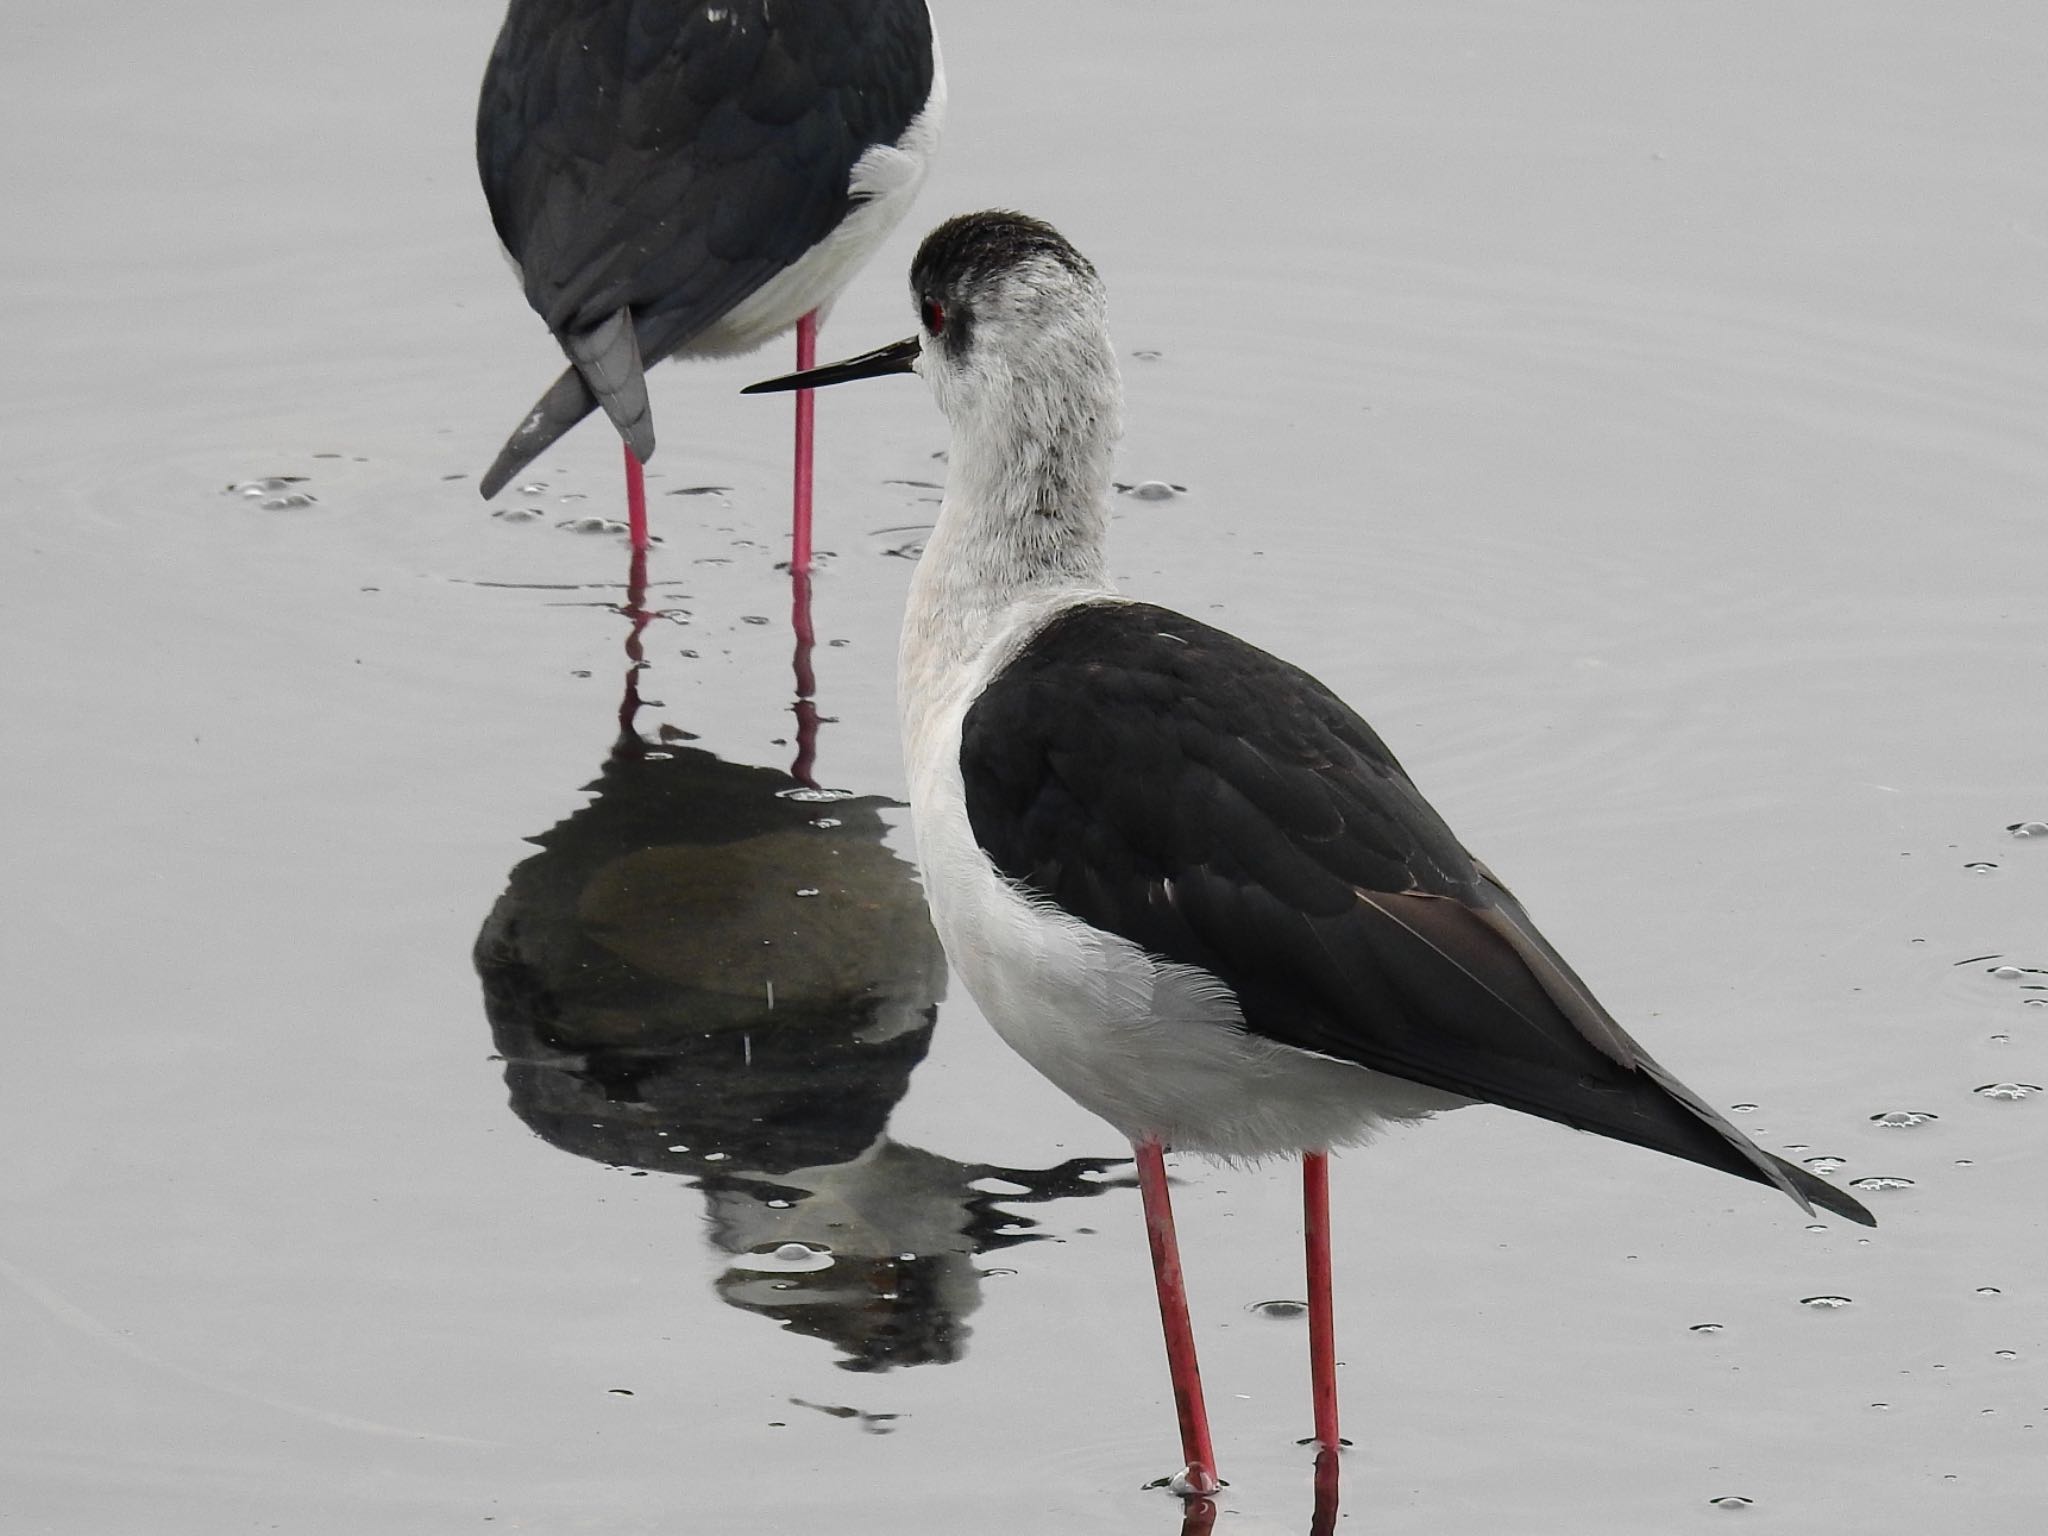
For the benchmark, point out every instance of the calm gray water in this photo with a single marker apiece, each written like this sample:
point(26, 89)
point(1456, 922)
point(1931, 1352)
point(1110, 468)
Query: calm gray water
point(1637, 412)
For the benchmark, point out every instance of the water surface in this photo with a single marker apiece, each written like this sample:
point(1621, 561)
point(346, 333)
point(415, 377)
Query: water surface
point(1637, 413)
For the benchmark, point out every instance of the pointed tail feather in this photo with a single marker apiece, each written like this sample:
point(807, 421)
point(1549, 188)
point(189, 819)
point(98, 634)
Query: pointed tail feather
point(608, 374)
point(1715, 1142)
point(608, 357)
point(567, 402)
point(1815, 1191)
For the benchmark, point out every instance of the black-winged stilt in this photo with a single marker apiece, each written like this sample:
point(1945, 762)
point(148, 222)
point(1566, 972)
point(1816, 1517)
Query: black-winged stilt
point(677, 178)
point(1180, 876)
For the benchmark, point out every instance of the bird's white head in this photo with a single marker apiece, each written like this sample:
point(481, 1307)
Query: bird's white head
point(1014, 332)
point(1013, 340)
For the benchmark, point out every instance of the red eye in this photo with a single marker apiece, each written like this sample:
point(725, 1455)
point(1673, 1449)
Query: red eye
point(934, 316)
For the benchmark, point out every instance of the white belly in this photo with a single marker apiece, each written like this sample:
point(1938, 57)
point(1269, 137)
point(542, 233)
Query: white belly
point(887, 179)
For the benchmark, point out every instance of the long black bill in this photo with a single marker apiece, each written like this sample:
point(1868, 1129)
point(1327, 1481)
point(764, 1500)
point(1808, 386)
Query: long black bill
point(897, 357)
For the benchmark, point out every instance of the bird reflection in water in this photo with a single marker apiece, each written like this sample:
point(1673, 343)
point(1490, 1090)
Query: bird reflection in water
point(723, 972)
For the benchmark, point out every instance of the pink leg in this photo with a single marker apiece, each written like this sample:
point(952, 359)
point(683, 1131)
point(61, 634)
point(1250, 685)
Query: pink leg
point(1198, 1517)
point(806, 681)
point(1200, 1476)
point(637, 614)
point(1322, 1331)
point(1322, 1520)
point(800, 528)
point(636, 501)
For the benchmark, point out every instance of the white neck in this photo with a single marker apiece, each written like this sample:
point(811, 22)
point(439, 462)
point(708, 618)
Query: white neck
point(1022, 528)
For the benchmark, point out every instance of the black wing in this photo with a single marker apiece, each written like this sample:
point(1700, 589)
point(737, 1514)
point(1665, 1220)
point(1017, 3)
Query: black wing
point(641, 154)
point(1165, 781)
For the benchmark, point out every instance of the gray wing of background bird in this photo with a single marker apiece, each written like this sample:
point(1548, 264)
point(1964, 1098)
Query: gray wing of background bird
point(650, 165)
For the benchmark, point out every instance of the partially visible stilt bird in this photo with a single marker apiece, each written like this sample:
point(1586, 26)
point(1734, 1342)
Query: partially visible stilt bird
point(676, 178)
point(1180, 876)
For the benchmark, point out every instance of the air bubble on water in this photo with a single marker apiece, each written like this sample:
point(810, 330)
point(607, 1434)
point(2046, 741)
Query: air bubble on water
point(1281, 1308)
point(2008, 1090)
point(2007, 972)
point(2029, 829)
point(2005, 1354)
point(517, 514)
point(1705, 1328)
point(1904, 1119)
point(778, 1205)
point(807, 890)
point(1989, 1290)
point(273, 493)
point(1980, 866)
point(1744, 1109)
point(995, 1184)
point(1153, 490)
point(716, 1157)
point(1966, 1162)
point(1148, 354)
point(679, 1147)
point(1731, 1501)
point(1824, 1163)
point(1797, 1146)
point(806, 795)
point(992, 1273)
point(1881, 1181)
point(1816, 1226)
point(825, 821)
point(786, 1258)
point(1824, 1303)
point(755, 618)
point(591, 525)
point(1999, 1039)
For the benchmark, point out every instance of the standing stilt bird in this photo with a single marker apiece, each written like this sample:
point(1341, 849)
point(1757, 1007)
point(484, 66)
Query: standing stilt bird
point(684, 179)
point(1180, 876)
